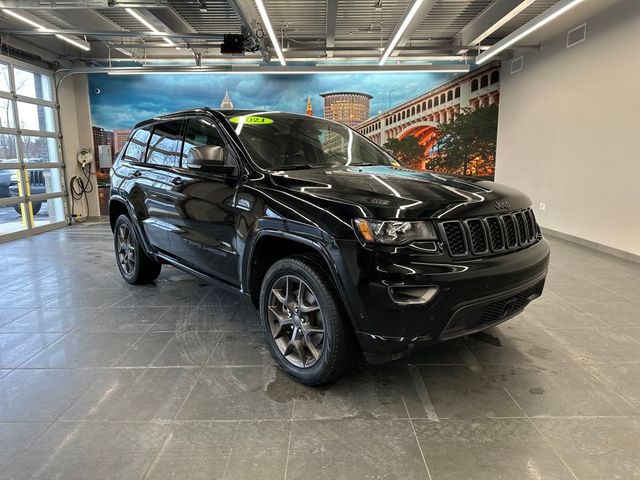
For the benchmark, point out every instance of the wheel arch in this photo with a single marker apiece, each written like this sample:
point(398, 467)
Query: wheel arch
point(119, 206)
point(268, 246)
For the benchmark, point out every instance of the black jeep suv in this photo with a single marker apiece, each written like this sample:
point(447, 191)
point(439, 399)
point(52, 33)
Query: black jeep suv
point(335, 243)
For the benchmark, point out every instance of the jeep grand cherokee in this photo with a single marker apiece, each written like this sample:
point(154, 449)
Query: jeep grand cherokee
point(338, 247)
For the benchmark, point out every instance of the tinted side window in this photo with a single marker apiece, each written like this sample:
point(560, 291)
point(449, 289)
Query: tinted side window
point(137, 145)
point(165, 145)
point(201, 131)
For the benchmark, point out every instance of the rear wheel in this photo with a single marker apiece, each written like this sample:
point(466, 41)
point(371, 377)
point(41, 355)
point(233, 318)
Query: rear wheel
point(304, 321)
point(135, 265)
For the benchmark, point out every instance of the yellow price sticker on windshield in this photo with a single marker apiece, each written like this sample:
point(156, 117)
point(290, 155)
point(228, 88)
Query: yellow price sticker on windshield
point(251, 120)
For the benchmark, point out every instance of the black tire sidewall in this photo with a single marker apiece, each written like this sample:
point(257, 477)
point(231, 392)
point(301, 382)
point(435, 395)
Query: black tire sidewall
point(133, 277)
point(316, 373)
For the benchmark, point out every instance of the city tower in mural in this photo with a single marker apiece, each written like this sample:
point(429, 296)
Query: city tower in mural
point(309, 110)
point(226, 103)
point(350, 108)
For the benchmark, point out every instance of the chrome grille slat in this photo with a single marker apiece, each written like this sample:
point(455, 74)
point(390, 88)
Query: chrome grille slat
point(476, 237)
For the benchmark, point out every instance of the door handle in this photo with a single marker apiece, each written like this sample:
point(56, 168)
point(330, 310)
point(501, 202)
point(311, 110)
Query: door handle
point(177, 181)
point(136, 173)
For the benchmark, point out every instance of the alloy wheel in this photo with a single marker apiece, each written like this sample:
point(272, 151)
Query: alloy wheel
point(296, 321)
point(126, 249)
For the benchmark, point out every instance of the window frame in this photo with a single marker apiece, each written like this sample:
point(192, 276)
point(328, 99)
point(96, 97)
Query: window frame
point(24, 168)
point(123, 152)
point(183, 131)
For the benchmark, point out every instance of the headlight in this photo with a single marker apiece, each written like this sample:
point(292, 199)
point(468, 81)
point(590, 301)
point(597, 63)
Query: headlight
point(392, 232)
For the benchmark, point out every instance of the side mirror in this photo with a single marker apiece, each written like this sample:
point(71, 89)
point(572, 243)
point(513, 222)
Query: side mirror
point(208, 158)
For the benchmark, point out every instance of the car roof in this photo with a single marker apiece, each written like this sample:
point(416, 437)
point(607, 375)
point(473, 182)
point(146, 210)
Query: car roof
point(195, 111)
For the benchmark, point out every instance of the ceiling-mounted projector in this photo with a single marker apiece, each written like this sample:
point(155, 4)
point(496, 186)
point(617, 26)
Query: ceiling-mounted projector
point(233, 44)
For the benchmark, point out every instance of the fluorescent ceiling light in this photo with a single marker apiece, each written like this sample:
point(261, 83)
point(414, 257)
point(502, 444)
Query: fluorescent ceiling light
point(148, 24)
point(401, 30)
point(84, 45)
point(529, 27)
point(272, 35)
point(141, 19)
point(86, 48)
point(506, 17)
point(24, 19)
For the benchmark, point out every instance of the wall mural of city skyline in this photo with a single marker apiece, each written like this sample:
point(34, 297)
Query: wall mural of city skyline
point(396, 117)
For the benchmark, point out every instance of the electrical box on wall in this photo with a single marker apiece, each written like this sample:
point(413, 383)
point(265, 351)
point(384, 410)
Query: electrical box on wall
point(104, 156)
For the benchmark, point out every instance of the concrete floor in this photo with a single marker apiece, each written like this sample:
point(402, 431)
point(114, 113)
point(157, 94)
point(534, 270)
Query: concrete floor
point(102, 380)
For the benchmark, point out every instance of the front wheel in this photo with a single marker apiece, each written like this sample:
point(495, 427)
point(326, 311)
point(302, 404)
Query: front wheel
point(304, 322)
point(135, 265)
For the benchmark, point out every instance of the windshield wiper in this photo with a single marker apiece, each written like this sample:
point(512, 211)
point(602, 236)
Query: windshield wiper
point(361, 164)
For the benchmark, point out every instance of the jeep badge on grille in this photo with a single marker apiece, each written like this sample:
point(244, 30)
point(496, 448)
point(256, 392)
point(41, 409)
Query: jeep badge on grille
point(502, 205)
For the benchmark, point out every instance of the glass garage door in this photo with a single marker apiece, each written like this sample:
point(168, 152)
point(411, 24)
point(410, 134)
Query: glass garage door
point(31, 179)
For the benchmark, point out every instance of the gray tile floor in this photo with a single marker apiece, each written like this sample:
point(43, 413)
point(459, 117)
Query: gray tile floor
point(99, 379)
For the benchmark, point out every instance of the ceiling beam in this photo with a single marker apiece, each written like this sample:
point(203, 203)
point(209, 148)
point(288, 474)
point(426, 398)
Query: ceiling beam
point(332, 15)
point(262, 70)
point(489, 20)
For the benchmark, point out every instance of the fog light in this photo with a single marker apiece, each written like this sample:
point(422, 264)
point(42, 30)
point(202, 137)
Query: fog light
point(411, 294)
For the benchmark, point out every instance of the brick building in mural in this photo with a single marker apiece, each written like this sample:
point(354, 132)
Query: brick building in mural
point(350, 108)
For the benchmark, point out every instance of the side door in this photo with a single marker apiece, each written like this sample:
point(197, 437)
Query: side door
point(207, 213)
point(157, 180)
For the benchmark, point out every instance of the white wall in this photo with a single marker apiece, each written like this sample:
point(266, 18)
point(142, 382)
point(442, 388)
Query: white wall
point(75, 120)
point(569, 130)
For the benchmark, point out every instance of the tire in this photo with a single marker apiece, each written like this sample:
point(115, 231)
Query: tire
point(135, 266)
point(35, 206)
point(324, 357)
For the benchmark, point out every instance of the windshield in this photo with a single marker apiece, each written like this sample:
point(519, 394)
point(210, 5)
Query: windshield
point(281, 141)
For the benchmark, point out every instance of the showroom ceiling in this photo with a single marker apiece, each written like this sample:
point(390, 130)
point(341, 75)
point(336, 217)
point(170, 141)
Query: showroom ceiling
point(283, 33)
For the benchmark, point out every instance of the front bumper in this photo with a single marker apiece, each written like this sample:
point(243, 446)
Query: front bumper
point(473, 294)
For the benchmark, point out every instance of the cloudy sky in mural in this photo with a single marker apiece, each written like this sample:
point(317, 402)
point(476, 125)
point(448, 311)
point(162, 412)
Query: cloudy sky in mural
point(126, 99)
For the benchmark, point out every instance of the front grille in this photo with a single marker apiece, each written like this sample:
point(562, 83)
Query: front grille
point(477, 236)
point(497, 310)
point(495, 233)
point(455, 237)
point(490, 235)
point(522, 228)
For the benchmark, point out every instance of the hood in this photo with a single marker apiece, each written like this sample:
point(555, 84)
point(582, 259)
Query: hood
point(389, 192)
